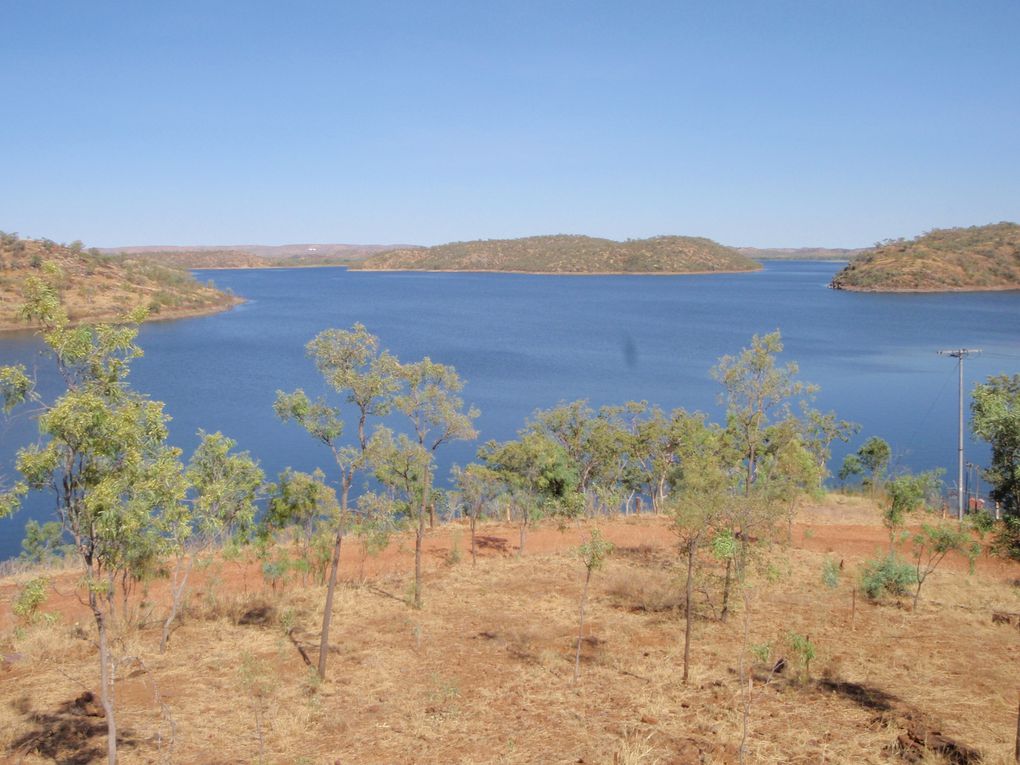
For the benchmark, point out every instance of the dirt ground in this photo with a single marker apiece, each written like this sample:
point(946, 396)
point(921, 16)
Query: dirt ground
point(484, 672)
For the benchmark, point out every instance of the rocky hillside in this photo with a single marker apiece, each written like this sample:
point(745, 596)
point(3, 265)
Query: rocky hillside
point(97, 287)
point(943, 260)
point(564, 254)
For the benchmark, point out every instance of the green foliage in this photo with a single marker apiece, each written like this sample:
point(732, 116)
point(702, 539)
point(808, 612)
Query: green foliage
point(830, 573)
point(907, 493)
point(995, 418)
point(30, 598)
point(887, 576)
point(1006, 541)
point(757, 394)
point(804, 649)
point(567, 254)
point(593, 553)
point(43, 542)
point(874, 456)
point(933, 543)
point(761, 652)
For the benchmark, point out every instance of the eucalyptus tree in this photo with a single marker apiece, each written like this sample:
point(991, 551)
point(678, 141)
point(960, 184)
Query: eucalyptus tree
point(874, 456)
point(305, 503)
point(596, 443)
point(654, 455)
point(430, 398)
point(353, 366)
point(478, 487)
point(538, 475)
point(757, 393)
point(102, 455)
point(697, 508)
point(223, 486)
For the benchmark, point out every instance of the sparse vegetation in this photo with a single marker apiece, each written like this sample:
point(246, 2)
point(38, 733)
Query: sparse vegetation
point(95, 287)
point(482, 671)
point(975, 258)
point(567, 254)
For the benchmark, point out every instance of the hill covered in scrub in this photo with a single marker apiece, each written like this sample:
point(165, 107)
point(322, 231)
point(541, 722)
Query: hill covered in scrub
point(799, 253)
point(94, 286)
point(943, 260)
point(253, 255)
point(563, 254)
point(200, 258)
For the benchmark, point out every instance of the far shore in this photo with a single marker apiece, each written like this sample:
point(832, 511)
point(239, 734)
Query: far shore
point(551, 273)
point(925, 291)
point(164, 315)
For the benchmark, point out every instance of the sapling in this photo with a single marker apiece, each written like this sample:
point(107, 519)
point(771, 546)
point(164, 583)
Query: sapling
point(802, 646)
point(830, 573)
point(932, 544)
point(593, 554)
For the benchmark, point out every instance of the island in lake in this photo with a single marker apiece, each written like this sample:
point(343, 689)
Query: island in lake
point(944, 260)
point(97, 287)
point(565, 254)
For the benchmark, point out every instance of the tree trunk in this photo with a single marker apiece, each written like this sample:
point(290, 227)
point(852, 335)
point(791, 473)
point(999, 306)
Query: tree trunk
point(726, 590)
point(474, 547)
point(580, 626)
point(524, 535)
point(419, 538)
point(688, 605)
point(327, 611)
point(105, 675)
point(176, 595)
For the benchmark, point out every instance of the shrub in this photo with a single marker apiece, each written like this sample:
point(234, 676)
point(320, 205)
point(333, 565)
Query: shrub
point(802, 646)
point(1006, 539)
point(888, 575)
point(32, 595)
point(830, 573)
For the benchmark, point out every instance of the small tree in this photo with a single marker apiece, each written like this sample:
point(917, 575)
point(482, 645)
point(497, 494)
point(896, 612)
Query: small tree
point(224, 486)
point(537, 474)
point(703, 491)
point(103, 456)
point(905, 494)
point(351, 363)
point(593, 554)
point(432, 403)
point(933, 543)
point(303, 502)
point(478, 487)
point(874, 458)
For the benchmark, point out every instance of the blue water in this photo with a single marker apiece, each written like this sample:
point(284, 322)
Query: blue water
point(524, 342)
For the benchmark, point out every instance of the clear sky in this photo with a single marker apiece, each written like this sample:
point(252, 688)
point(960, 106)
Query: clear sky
point(833, 123)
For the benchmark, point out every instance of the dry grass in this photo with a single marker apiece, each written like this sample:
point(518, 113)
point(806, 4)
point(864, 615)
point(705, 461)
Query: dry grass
point(483, 673)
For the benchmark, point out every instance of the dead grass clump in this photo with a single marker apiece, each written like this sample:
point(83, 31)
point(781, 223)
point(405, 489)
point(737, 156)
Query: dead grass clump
point(48, 642)
point(648, 590)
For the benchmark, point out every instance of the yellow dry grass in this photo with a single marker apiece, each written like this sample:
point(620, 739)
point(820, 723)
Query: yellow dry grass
point(483, 673)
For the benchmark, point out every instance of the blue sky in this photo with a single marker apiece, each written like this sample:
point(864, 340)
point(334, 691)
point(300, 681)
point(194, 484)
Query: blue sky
point(753, 123)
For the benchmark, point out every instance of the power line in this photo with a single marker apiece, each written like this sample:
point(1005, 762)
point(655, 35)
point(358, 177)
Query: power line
point(960, 354)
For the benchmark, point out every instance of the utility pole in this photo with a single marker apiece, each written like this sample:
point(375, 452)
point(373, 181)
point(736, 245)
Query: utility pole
point(960, 354)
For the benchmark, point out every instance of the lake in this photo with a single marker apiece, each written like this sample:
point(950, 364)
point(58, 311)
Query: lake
point(523, 342)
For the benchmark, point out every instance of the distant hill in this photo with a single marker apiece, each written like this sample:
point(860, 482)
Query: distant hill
point(943, 260)
point(98, 287)
point(253, 255)
point(799, 253)
point(563, 254)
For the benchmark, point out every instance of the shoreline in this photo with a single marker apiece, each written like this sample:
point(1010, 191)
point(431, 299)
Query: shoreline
point(167, 315)
point(923, 291)
point(552, 273)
